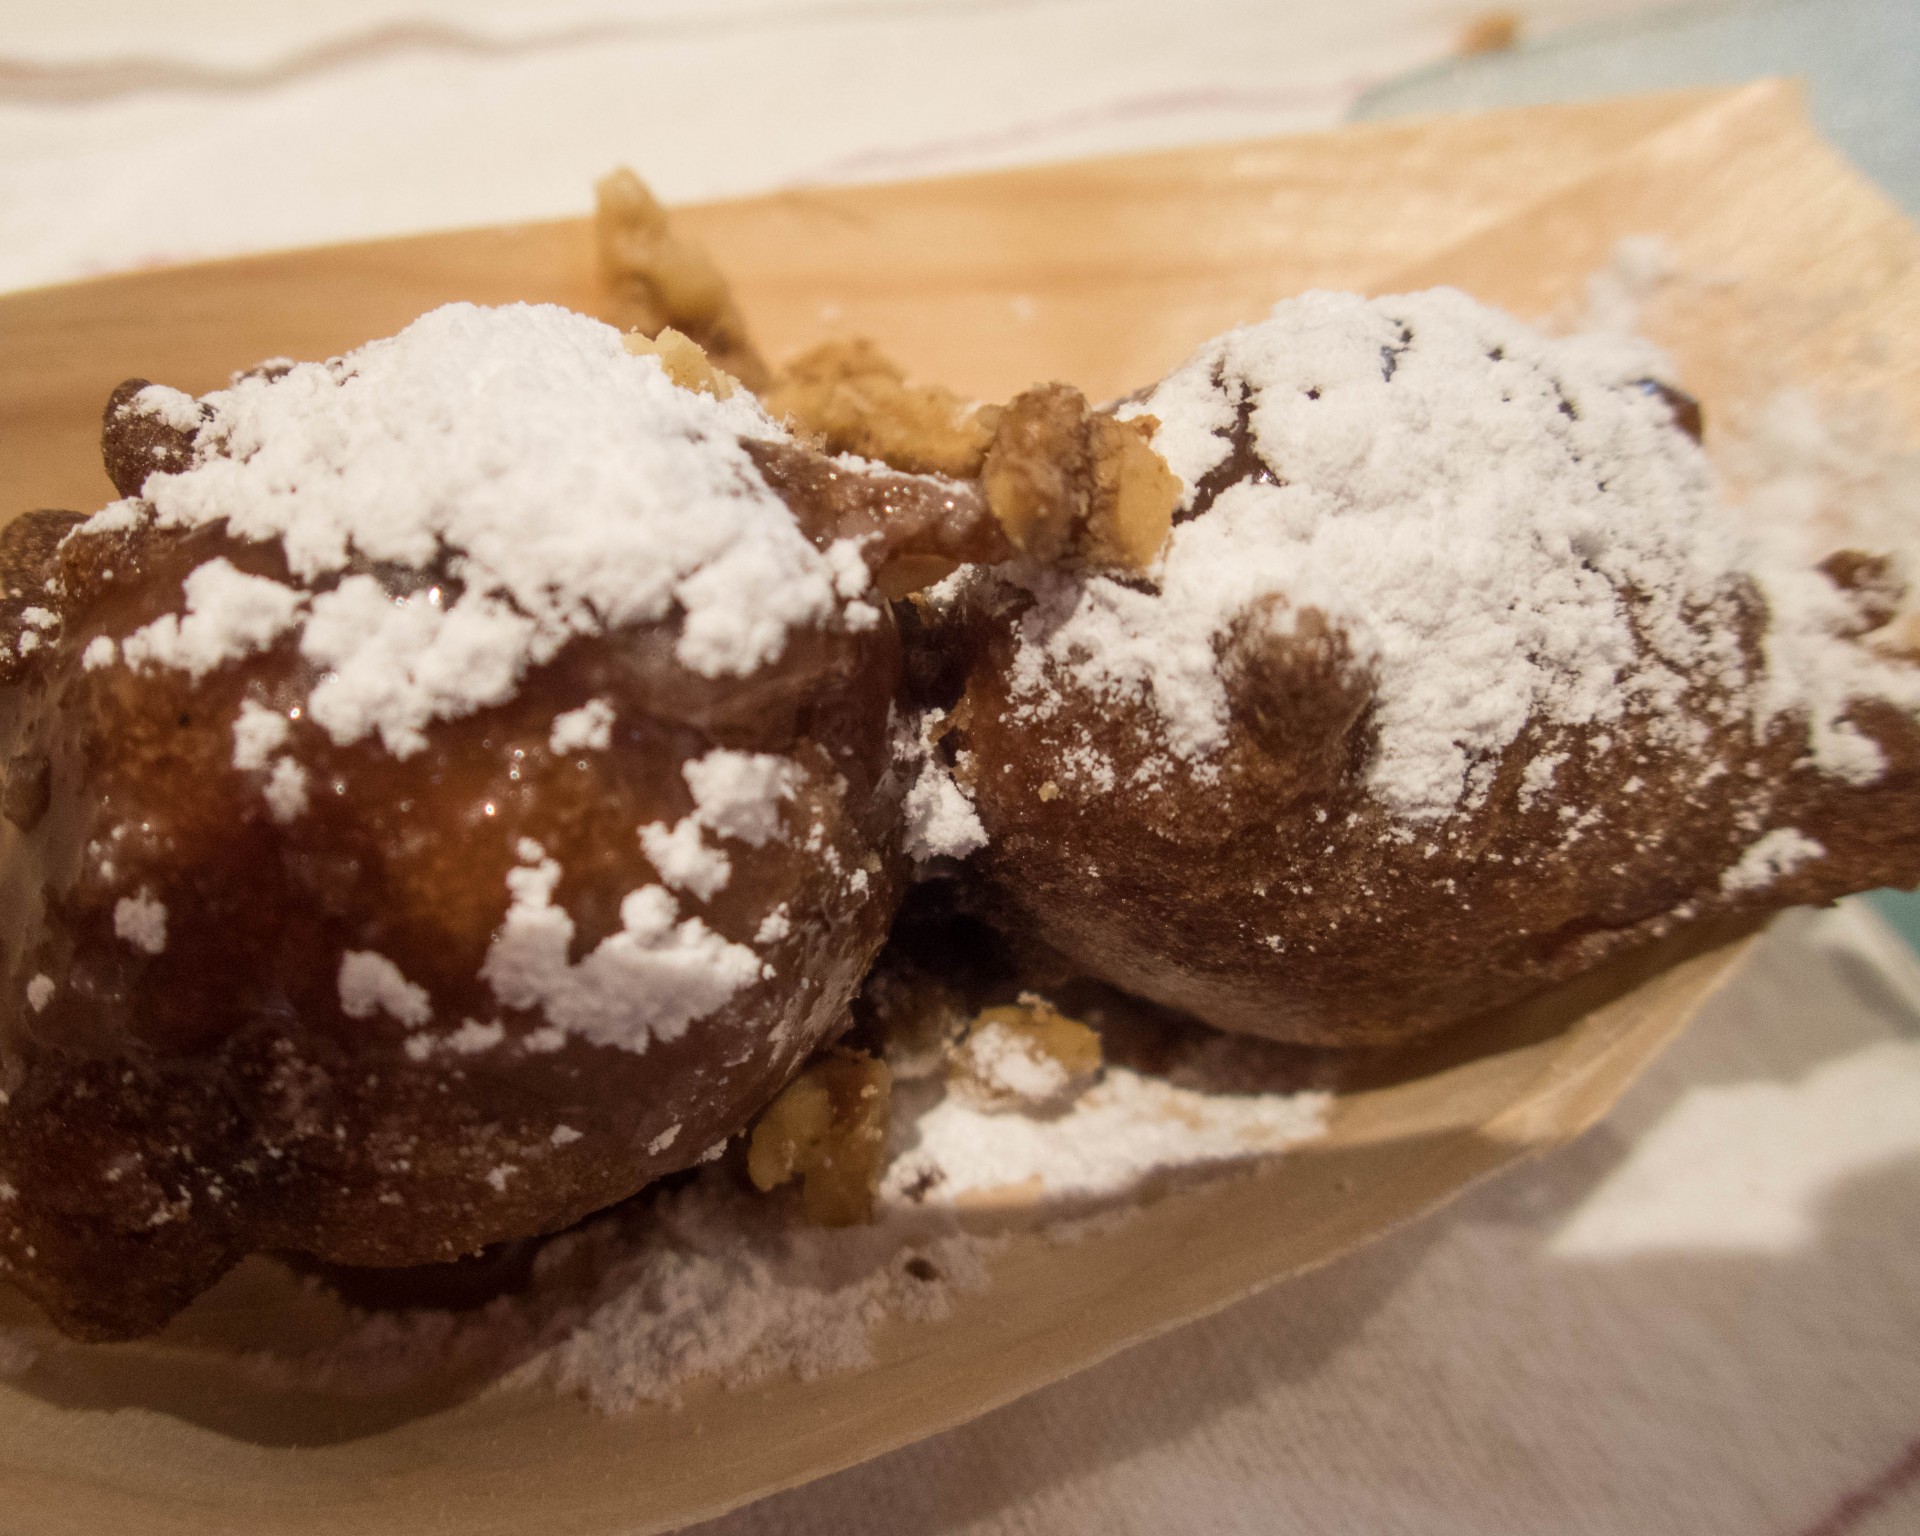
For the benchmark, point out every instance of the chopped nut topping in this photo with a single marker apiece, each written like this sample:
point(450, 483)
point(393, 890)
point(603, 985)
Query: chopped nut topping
point(855, 399)
point(1063, 479)
point(1060, 480)
point(907, 574)
point(1035, 473)
point(656, 278)
point(684, 360)
point(1134, 494)
point(828, 1127)
point(1023, 1055)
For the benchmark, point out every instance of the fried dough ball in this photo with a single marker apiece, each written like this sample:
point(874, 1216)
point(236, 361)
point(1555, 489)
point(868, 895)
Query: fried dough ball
point(1453, 679)
point(453, 790)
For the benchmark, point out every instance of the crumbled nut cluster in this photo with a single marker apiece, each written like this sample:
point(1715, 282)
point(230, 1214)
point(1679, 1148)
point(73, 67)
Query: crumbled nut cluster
point(855, 399)
point(1063, 479)
point(1024, 1055)
point(828, 1128)
point(656, 278)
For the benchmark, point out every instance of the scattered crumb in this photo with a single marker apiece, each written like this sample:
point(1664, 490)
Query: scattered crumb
point(1026, 1055)
point(828, 1127)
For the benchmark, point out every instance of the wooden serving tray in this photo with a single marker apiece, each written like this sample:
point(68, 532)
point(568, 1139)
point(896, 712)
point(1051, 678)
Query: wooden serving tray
point(1103, 273)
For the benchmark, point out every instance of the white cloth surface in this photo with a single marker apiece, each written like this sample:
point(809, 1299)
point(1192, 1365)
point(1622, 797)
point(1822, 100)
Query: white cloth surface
point(133, 133)
point(1704, 1317)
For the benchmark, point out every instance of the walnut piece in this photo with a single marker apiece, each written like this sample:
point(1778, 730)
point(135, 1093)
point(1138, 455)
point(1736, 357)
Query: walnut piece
point(828, 1127)
point(1134, 494)
point(855, 399)
point(684, 361)
point(1064, 479)
point(1025, 1055)
point(656, 278)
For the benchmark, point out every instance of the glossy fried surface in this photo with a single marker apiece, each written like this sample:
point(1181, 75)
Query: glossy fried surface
point(1272, 893)
point(166, 1112)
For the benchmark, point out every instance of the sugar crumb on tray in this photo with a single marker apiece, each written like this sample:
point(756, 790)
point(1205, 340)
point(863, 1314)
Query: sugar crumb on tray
point(718, 1283)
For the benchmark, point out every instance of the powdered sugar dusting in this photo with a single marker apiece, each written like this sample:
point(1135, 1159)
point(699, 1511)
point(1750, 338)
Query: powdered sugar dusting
point(1115, 1134)
point(286, 790)
point(586, 729)
point(370, 983)
point(141, 920)
point(939, 821)
point(564, 487)
point(392, 666)
point(473, 1037)
point(1814, 479)
point(685, 862)
point(738, 794)
point(653, 978)
point(258, 732)
point(1464, 496)
point(1010, 1067)
point(229, 615)
point(172, 407)
point(1780, 852)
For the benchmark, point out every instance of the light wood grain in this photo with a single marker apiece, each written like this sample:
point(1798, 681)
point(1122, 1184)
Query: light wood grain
point(1102, 273)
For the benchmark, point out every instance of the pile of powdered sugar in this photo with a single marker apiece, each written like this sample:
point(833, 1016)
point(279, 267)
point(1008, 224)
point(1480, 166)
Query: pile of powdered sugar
point(1468, 499)
point(564, 485)
point(708, 1283)
point(1119, 1133)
